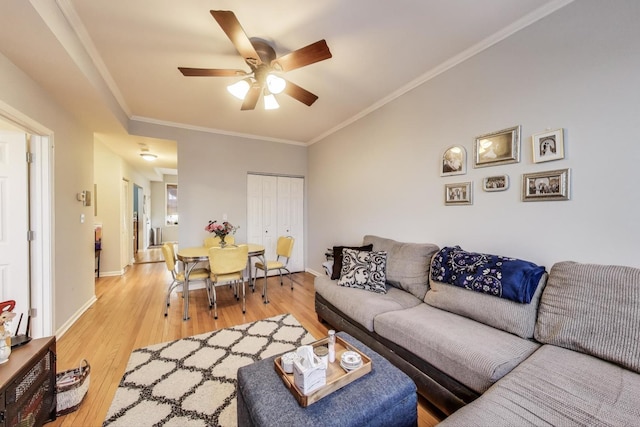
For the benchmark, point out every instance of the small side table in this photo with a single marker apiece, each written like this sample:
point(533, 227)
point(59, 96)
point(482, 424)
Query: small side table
point(386, 396)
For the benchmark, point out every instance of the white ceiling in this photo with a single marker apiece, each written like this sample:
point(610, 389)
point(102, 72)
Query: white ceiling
point(111, 61)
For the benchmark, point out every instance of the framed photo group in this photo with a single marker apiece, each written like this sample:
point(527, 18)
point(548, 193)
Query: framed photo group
point(503, 147)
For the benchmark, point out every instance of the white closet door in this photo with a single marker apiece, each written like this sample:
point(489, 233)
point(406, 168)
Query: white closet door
point(262, 214)
point(275, 207)
point(291, 217)
point(270, 215)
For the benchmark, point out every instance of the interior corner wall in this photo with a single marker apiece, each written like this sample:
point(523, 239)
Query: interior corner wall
point(576, 69)
point(212, 170)
point(73, 252)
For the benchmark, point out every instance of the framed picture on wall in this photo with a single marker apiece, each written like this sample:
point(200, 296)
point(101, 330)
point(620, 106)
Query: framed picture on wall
point(460, 193)
point(495, 183)
point(497, 148)
point(454, 161)
point(548, 146)
point(548, 185)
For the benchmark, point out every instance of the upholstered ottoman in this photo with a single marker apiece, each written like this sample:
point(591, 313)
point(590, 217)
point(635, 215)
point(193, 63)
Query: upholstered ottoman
point(383, 397)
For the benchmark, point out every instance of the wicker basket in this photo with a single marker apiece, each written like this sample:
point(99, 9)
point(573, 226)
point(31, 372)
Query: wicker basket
point(71, 388)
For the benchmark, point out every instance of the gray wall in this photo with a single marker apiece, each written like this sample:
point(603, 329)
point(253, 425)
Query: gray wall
point(577, 69)
point(73, 251)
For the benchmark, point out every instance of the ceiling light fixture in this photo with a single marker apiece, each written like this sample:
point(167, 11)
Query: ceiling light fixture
point(275, 83)
point(240, 89)
point(147, 155)
point(270, 102)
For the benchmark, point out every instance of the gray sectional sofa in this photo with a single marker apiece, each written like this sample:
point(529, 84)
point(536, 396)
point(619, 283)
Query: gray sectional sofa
point(571, 356)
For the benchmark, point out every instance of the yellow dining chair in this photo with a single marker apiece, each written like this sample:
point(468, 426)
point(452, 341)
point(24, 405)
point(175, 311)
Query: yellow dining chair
point(284, 249)
point(227, 266)
point(178, 276)
point(210, 242)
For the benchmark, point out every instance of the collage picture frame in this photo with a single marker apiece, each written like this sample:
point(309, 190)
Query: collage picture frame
point(460, 193)
point(548, 146)
point(547, 185)
point(497, 148)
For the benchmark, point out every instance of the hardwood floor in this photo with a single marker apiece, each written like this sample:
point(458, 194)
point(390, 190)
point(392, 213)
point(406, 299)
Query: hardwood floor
point(129, 314)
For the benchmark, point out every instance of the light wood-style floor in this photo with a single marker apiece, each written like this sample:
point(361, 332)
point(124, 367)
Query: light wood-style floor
point(129, 314)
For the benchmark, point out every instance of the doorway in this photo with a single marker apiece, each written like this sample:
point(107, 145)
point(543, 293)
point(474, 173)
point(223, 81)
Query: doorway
point(31, 244)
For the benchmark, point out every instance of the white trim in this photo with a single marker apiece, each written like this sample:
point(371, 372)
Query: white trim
point(64, 328)
point(312, 271)
point(42, 218)
point(216, 131)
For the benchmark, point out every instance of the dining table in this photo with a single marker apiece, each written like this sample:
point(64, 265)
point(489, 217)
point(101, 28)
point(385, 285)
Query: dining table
point(191, 256)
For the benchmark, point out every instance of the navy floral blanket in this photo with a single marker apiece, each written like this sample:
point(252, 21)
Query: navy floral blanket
point(495, 275)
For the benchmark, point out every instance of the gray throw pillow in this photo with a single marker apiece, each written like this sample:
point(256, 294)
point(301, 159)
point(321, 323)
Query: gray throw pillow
point(407, 263)
point(504, 314)
point(363, 270)
point(593, 309)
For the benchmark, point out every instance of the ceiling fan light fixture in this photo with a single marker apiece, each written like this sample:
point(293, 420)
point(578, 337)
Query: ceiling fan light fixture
point(276, 84)
point(270, 102)
point(148, 156)
point(240, 89)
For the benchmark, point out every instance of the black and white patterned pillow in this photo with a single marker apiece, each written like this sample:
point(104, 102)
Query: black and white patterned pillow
point(364, 270)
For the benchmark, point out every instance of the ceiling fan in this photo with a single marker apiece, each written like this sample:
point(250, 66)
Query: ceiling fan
point(265, 75)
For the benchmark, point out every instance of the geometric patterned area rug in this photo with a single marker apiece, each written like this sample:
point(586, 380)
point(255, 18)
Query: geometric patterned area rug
point(192, 381)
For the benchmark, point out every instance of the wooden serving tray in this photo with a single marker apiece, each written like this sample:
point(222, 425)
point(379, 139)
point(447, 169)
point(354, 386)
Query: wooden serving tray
point(336, 376)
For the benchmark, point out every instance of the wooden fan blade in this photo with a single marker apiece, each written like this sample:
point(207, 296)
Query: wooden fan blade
point(251, 99)
point(300, 94)
point(315, 52)
point(210, 72)
point(230, 25)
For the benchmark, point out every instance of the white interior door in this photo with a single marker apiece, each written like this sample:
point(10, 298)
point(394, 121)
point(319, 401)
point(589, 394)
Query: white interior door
point(290, 217)
point(269, 215)
point(14, 220)
point(296, 223)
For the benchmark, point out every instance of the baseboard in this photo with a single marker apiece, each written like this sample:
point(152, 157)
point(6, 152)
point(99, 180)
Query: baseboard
point(312, 271)
point(64, 328)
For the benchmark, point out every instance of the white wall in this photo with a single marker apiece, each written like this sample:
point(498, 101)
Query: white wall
point(213, 175)
point(109, 171)
point(73, 251)
point(577, 69)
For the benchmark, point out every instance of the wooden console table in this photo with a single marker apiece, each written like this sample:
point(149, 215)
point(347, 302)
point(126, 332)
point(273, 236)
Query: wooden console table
point(27, 384)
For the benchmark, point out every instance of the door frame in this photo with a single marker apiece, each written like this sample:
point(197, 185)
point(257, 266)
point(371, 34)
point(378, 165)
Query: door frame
point(41, 177)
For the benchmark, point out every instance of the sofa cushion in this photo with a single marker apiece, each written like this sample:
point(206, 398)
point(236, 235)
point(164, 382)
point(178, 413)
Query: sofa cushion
point(407, 263)
point(337, 258)
point(362, 306)
point(473, 353)
point(594, 309)
point(496, 275)
point(510, 316)
point(557, 387)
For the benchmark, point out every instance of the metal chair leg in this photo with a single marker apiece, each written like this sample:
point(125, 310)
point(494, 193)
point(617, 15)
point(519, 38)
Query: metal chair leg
point(244, 299)
point(215, 303)
point(173, 285)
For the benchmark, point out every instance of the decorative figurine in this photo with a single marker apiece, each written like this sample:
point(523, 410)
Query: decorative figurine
point(5, 334)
